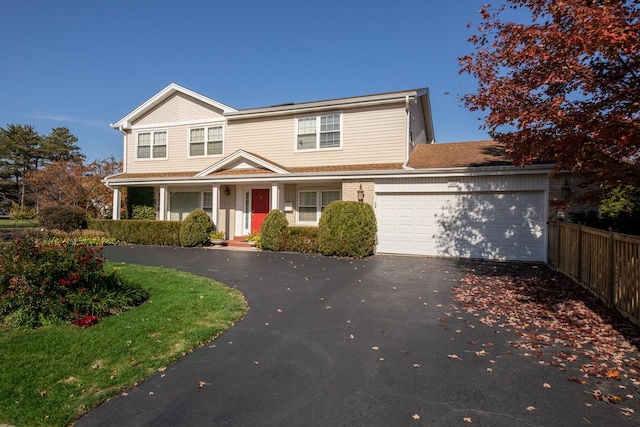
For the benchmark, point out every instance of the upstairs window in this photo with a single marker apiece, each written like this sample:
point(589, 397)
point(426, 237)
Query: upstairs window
point(205, 141)
point(320, 132)
point(152, 145)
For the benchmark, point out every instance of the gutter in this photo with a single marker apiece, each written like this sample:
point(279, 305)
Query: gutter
point(312, 176)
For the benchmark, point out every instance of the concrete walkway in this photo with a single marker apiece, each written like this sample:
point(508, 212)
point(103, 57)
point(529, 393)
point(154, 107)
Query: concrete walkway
point(337, 342)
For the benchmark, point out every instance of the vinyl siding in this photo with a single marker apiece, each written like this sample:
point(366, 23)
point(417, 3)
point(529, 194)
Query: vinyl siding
point(369, 135)
point(178, 108)
point(463, 184)
point(416, 126)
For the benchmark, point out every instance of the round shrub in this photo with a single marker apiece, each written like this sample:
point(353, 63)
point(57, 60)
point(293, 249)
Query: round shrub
point(271, 231)
point(195, 229)
point(64, 218)
point(347, 229)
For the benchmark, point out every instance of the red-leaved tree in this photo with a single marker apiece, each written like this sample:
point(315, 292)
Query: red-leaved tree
point(564, 85)
point(74, 183)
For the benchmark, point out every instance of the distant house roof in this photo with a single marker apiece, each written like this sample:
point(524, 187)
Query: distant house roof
point(458, 155)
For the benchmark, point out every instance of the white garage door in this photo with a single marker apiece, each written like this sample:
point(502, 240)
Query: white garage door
point(507, 226)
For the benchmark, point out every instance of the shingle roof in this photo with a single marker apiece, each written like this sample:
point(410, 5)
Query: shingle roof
point(458, 154)
point(256, 171)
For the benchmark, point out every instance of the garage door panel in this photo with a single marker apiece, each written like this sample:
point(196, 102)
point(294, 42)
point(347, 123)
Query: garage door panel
point(479, 225)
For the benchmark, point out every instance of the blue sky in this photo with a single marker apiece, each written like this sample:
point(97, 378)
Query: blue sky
point(85, 64)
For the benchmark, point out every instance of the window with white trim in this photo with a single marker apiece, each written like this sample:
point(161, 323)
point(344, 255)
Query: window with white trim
point(207, 202)
point(311, 203)
point(319, 133)
point(152, 145)
point(205, 141)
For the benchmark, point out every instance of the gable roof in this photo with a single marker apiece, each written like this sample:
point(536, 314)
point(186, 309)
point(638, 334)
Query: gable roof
point(163, 95)
point(239, 157)
point(457, 155)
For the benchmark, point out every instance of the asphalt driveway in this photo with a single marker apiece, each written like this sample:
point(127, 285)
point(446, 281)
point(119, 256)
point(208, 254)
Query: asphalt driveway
point(338, 342)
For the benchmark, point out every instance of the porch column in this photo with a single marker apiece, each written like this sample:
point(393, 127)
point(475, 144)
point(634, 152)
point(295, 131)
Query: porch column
point(215, 203)
point(275, 196)
point(162, 203)
point(115, 214)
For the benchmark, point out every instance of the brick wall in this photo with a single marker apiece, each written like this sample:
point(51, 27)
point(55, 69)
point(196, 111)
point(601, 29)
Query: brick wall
point(350, 191)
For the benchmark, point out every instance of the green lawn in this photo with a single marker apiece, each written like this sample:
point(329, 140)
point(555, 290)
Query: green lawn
point(6, 222)
point(50, 376)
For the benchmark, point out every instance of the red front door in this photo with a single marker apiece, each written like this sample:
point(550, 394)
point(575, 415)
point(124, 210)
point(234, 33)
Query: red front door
point(259, 208)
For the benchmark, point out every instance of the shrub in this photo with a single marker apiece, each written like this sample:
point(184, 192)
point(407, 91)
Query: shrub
point(65, 218)
point(300, 239)
point(195, 229)
point(81, 237)
point(17, 213)
point(139, 196)
point(347, 229)
point(139, 232)
point(42, 284)
point(143, 212)
point(272, 230)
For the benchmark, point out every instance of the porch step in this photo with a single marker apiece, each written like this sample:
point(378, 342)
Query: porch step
point(239, 242)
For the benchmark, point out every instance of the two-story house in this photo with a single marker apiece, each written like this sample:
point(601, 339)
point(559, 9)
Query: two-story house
point(460, 199)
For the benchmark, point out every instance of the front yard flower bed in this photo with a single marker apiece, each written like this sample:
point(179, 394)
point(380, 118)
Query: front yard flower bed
point(48, 283)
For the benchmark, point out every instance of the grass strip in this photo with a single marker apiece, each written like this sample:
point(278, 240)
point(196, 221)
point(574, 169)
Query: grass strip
point(18, 223)
point(51, 376)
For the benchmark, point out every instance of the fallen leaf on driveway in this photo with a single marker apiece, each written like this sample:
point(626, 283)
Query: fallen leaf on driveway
point(416, 417)
point(531, 408)
point(453, 356)
point(627, 411)
point(375, 348)
point(546, 385)
point(467, 419)
point(201, 384)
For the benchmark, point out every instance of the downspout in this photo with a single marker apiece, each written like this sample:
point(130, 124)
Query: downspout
point(124, 148)
point(407, 122)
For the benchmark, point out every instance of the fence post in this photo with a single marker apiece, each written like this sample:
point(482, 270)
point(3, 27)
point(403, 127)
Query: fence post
point(558, 256)
point(612, 271)
point(579, 266)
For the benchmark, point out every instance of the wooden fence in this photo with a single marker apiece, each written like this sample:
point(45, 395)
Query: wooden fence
point(606, 263)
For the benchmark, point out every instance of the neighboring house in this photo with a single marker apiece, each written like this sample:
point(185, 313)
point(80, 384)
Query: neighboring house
point(461, 199)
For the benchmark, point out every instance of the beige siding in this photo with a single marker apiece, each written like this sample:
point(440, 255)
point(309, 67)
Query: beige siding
point(178, 153)
point(417, 126)
point(179, 108)
point(369, 135)
point(454, 184)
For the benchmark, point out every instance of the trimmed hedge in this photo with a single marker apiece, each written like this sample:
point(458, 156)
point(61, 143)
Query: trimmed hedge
point(64, 218)
point(143, 212)
point(196, 228)
point(300, 239)
point(347, 229)
point(271, 232)
point(140, 232)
